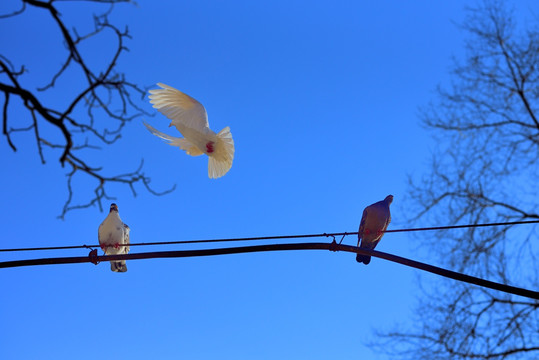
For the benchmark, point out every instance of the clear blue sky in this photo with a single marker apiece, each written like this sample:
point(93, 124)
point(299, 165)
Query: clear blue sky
point(322, 100)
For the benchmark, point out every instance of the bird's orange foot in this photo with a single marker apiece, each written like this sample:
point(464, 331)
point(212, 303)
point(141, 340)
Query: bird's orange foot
point(209, 147)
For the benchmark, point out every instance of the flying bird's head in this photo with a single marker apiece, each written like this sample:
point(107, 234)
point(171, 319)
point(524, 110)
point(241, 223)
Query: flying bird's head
point(113, 207)
point(389, 199)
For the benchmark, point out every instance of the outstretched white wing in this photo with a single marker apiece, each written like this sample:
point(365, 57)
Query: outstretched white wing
point(183, 144)
point(183, 110)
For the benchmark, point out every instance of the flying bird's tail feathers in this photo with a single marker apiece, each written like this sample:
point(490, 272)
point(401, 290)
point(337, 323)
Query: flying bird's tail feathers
point(118, 266)
point(175, 141)
point(363, 259)
point(220, 161)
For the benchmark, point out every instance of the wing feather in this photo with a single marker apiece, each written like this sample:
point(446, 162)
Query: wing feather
point(183, 144)
point(126, 238)
point(182, 109)
point(362, 225)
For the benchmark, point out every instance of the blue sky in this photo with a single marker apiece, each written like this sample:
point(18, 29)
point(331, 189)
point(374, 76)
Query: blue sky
point(322, 100)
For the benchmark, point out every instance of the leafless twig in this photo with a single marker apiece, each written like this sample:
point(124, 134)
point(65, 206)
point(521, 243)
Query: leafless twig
point(99, 94)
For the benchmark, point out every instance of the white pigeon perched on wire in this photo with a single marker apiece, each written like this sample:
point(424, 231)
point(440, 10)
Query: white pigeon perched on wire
point(191, 120)
point(374, 222)
point(113, 237)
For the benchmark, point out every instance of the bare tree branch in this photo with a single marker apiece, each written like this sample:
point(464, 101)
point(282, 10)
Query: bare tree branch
point(485, 169)
point(15, 13)
point(98, 93)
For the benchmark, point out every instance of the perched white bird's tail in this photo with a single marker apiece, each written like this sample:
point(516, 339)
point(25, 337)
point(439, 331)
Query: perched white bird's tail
point(221, 154)
point(118, 266)
point(182, 143)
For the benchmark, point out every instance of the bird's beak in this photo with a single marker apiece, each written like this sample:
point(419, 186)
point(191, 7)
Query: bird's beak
point(169, 125)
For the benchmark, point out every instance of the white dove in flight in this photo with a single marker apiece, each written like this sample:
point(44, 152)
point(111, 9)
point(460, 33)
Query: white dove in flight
point(374, 222)
point(191, 120)
point(113, 235)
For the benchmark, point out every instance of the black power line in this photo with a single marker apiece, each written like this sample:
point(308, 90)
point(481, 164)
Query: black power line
point(259, 238)
point(281, 247)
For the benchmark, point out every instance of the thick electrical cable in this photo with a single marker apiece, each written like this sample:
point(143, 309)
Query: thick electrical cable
point(282, 247)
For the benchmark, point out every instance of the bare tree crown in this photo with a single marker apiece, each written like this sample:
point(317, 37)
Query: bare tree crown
point(95, 111)
point(485, 169)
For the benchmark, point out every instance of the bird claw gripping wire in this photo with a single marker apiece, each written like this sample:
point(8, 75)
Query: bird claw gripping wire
point(93, 257)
